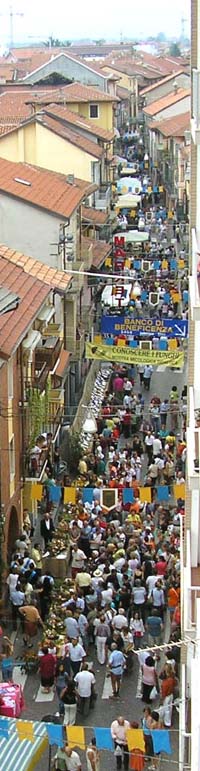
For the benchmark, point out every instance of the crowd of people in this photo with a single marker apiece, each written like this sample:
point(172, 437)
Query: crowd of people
point(125, 564)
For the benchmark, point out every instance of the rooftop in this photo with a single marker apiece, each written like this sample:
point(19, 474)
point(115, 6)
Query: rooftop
point(14, 106)
point(100, 250)
point(67, 116)
point(172, 127)
point(96, 217)
point(74, 92)
point(32, 282)
point(42, 188)
point(87, 145)
point(161, 82)
point(166, 101)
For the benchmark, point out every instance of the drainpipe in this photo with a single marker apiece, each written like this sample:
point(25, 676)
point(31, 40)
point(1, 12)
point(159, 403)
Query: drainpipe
point(22, 412)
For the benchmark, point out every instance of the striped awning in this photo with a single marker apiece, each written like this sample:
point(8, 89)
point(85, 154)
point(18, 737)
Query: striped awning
point(16, 755)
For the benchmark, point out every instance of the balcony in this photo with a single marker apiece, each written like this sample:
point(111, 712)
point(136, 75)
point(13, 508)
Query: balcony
point(47, 352)
point(103, 198)
point(195, 121)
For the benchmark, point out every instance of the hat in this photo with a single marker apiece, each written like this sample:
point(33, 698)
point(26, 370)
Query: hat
point(97, 573)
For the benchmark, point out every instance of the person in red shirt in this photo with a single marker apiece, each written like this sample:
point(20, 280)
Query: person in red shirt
point(161, 566)
point(126, 423)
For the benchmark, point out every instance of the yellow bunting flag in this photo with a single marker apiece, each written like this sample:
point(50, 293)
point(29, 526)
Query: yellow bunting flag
point(179, 492)
point(69, 495)
point(149, 189)
point(160, 188)
point(181, 264)
point(36, 491)
point(135, 739)
point(145, 494)
point(25, 730)
point(76, 736)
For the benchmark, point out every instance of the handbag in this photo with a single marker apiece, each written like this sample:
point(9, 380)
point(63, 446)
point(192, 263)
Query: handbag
point(118, 751)
point(154, 693)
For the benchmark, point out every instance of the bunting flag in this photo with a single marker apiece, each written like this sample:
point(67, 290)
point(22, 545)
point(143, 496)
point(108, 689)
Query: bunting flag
point(54, 493)
point(161, 741)
point(55, 734)
point(76, 736)
point(36, 491)
point(87, 494)
point(179, 492)
point(162, 492)
point(104, 740)
point(70, 495)
point(127, 495)
point(135, 739)
point(4, 728)
point(145, 494)
point(25, 730)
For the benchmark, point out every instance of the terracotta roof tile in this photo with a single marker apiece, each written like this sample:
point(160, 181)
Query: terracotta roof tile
point(93, 215)
point(32, 294)
point(164, 80)
point(74, 92)
point(47, 189)
point(100, 250)
point(175, 126)
point(88, 145)
point(166, 101)
point(13, 105)
point(74, 119)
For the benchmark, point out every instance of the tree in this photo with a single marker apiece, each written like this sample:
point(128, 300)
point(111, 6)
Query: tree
point(174, 50)
point(53, 42)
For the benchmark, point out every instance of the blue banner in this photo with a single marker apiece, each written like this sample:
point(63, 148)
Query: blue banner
point(117, 325)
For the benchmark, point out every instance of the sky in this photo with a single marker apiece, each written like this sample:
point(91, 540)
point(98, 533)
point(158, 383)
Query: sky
point(106, 19)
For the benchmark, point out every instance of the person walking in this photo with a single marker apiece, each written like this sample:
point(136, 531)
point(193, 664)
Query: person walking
point(69, 700)
point(154, 628)
point(116, 665)
point(85, 682)
point(92, 756)
point(118, 732)
point(47, 666)
point(76, 655)
point(147, 376)
point(67, 759)
point(149, 678)
point(47, 529)
point(102, 632)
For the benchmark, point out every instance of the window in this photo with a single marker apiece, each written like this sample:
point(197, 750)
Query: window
point(12, 457)
point(10, 379)
point(94, 110)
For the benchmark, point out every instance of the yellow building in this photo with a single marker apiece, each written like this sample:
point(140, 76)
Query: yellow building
point(91, 103)
point(52, 146)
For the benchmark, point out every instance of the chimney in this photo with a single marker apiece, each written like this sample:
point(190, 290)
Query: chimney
point(70, 179)
point(175, 86)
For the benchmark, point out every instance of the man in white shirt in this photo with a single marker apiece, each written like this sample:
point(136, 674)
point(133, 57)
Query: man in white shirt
point(85, 682)
point(78, 559)
point(70, 758)
point(149, 445)
point(118, 732)
point(76, 655)
point(120, 621)
point(157, 446)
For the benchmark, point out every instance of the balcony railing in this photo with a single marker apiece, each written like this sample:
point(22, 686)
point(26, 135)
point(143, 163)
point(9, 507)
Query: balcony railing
point(47, 352)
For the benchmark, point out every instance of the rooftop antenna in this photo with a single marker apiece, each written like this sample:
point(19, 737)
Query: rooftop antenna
point(11, 15)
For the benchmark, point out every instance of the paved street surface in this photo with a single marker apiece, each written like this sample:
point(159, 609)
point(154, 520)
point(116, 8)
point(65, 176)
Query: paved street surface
point(106, 709)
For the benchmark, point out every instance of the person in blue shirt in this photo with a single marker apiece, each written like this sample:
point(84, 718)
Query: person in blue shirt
point(154, 628)
point(116, 665)
point(7, 660)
